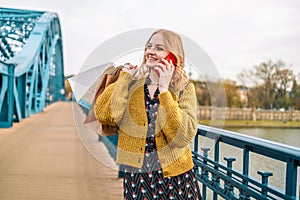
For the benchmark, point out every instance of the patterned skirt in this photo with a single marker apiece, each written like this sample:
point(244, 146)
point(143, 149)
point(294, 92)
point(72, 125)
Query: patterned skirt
point(152, 185)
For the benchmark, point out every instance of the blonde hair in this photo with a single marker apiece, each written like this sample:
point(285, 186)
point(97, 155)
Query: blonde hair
point(173, 44)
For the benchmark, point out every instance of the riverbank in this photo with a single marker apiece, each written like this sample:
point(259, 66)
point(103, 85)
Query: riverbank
point(252, 124)
point(210, 112)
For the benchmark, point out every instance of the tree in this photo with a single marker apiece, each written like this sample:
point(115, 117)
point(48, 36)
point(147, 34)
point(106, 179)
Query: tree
point(210, 93)
point(283, 77)
point(232, 96)
point(269, 84)
point(202, 93)
point(295, 95)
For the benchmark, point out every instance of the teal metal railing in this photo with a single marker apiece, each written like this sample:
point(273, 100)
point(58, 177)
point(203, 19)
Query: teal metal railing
point(226, 182)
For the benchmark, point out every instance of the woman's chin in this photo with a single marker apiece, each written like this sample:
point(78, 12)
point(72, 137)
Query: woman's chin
point(151, 65)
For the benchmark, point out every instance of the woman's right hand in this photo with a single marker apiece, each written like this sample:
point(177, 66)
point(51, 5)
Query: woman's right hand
point(130, 69)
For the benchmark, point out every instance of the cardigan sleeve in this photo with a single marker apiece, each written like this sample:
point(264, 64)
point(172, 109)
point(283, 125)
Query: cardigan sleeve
point(110, 105)
point(178, 118)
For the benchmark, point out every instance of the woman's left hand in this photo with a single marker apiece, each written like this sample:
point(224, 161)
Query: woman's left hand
point(130, 69)
point(165, 71)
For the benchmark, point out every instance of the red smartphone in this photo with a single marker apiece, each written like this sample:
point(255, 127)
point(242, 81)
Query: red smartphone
point(171, 56)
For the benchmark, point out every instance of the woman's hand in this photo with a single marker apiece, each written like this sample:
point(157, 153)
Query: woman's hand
point(165, 72)
point(130, 69)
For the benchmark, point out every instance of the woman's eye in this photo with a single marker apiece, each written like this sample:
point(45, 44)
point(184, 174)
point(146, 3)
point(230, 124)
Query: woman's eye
point(157, 48)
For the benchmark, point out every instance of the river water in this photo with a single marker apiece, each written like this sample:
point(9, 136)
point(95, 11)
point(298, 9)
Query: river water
point(285, 136)
point(258, 162)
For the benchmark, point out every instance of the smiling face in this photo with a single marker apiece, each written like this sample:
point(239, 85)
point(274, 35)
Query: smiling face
point(155, 50)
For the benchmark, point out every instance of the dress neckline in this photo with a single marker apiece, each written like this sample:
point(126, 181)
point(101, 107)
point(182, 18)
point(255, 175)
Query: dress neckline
point(156, 93)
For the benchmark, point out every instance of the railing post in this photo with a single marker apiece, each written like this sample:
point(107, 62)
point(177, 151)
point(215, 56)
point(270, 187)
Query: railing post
point(245, 173)
point(216, 180)
point(264, 181)
point(204, 171)
point(228, 187)
point(196, 147)
point(291, 179)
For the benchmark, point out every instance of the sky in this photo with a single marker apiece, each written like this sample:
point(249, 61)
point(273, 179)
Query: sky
point(235, 34)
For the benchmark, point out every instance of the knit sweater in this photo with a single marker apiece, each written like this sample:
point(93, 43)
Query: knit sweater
point(176, 123)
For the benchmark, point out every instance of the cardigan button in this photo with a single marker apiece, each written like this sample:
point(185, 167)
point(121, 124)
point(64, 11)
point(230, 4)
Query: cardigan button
point(166, 173)
point(162, 160)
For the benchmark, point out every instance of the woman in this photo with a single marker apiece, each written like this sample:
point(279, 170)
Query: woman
point(154, 107)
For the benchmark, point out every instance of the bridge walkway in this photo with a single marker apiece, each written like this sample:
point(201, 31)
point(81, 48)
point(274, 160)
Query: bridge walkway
point(42, 157)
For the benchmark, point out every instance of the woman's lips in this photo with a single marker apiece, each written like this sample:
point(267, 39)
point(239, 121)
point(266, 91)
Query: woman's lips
point(152, 59)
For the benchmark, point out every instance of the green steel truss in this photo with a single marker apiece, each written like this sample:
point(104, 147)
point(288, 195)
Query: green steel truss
point(31, 63)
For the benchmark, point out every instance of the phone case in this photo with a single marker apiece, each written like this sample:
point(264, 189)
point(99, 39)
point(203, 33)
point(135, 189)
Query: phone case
point(169, 57)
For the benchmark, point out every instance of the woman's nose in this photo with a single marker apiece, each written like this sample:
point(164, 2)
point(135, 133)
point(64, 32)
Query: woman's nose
point(151, 50)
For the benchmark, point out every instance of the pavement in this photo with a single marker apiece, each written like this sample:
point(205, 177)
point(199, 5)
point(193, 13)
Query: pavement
point(44, 157)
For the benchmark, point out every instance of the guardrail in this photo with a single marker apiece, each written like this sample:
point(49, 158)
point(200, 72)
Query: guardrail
point(228, 183)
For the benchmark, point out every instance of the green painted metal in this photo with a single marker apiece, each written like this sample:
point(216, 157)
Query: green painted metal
point(6, 96)
point(31, 44)
point(238, 185)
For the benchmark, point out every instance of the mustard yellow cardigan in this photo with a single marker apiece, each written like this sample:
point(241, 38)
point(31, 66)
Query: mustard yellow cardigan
point(176, 124)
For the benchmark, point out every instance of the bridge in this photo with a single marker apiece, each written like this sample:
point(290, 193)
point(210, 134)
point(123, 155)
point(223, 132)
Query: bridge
point(31, 63)
point(42, 156)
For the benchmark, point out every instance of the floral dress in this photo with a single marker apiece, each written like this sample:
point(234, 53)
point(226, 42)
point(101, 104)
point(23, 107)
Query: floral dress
point(148, 182)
